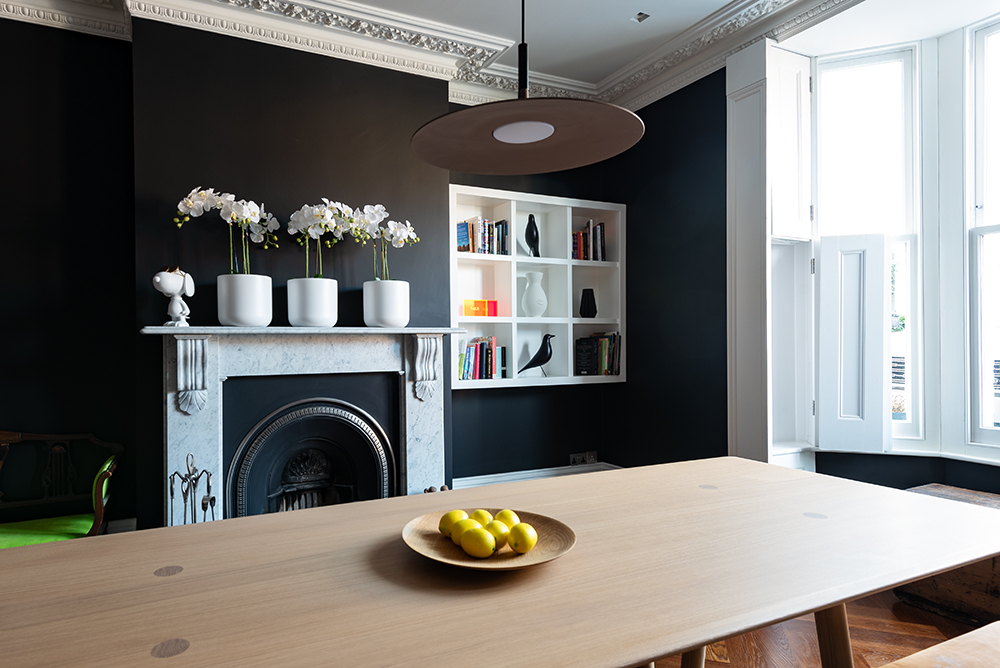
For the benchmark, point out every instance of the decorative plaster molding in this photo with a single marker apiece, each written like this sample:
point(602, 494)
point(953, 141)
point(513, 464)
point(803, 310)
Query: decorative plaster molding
point(192, 390)
point(716, 35)
point(650, 86)
point(306, 29)
point(104, 21)
point(810, 17)
point(473, 54)
point(427, 359)
point(675, 83)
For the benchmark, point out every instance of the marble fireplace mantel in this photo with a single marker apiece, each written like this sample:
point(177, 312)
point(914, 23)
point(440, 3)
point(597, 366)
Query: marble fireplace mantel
point(198, 360)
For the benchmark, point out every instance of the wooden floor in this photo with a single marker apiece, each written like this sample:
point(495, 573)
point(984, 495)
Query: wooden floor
point(883, 629)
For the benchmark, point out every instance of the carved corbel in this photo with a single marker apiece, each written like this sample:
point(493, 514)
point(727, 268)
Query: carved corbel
point(192, 390)
point(427, 359)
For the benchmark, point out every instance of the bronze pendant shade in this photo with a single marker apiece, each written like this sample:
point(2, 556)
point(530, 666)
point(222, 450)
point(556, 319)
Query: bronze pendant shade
point(527, 135)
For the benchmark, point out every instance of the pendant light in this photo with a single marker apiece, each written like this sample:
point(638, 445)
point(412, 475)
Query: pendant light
point(527, 135)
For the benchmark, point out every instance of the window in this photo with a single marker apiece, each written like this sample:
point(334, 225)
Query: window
point(865, 132)
point(867, 185)
point(984, 239)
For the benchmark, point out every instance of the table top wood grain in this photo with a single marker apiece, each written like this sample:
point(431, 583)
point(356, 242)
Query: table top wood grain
point(668, 558)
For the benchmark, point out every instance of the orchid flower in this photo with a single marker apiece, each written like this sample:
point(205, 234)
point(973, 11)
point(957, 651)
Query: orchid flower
point(256, 225)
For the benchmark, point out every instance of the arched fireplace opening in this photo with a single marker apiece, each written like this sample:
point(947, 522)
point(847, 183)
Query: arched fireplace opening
point(310, 453)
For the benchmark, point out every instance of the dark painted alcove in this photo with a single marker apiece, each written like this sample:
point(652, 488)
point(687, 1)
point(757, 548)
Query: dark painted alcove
point(673, 406)
point(67, 326)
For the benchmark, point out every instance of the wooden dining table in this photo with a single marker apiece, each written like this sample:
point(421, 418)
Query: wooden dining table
point(667, 559)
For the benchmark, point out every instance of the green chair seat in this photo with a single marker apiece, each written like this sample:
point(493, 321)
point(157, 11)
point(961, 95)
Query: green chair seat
point(66, 527)
point(49, 530)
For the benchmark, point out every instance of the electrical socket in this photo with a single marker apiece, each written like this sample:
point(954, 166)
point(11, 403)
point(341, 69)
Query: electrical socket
point(592, 457)
point(578, 458)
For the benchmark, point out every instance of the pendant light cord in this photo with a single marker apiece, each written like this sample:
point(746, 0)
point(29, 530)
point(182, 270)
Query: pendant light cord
point(522, 62)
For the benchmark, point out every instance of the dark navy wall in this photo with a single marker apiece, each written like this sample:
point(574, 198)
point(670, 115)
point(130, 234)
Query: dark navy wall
point(902, 471)
point(673, 406)
point(283, 127)
point(66, 326)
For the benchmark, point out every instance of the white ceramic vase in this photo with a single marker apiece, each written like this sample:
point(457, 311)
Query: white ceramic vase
point(245, 300)
point(312, 302)
point(533, 301)
point(387, 303)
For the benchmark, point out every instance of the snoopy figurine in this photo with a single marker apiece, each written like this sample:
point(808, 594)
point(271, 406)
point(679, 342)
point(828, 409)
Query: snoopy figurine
point(174, 283)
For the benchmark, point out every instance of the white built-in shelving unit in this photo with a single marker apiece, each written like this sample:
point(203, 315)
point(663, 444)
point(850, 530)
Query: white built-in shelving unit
point(502, 278)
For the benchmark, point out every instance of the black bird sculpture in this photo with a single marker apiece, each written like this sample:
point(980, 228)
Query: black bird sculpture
point(531, 236)
point(542, 356)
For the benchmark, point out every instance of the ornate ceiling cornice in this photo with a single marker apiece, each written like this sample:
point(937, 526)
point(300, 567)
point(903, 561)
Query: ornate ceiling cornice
point(343, 29)
point(473, 55)
point(810, 17)
point(99, 18)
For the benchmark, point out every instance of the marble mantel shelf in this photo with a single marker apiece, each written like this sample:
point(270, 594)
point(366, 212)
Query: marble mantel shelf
point(198, 360)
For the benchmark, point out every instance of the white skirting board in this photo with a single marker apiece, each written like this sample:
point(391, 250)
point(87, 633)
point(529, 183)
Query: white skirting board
point(514, 476)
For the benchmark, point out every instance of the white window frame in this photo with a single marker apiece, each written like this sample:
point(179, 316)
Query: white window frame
point(979, 434)
point(909, 435)
point(977, 41)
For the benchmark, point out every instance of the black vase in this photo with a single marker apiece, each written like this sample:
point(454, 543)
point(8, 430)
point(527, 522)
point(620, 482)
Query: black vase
point(588, 305)
point(531, 236)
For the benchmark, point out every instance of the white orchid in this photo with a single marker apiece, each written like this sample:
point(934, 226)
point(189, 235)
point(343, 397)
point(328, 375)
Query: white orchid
point(197, 202)
point(370, 227)
point(312, 221)
point(254, 223)
point(240, 212)
point(259, 230)
point(401, 233)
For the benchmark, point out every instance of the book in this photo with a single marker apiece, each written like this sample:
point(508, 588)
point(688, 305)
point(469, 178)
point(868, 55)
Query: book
point(503, 361)
point(464, 243)
point(493, 357)
point(598, 354)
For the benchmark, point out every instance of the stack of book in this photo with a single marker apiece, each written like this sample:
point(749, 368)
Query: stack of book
point(599, 355)
point(588, 244)
point(481, 358)
point(478, 235)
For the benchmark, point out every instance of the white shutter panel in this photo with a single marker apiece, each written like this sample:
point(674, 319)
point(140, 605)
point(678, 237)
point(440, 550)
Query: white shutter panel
point(853, 403)
point(789, 140)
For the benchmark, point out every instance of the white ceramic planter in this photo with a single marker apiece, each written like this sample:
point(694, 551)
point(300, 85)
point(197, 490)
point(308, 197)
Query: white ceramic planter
point(312, 302)
point(387, 303)
point(245, 300)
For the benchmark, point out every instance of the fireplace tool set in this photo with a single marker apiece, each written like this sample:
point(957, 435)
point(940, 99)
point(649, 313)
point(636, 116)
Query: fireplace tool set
point(189, 490)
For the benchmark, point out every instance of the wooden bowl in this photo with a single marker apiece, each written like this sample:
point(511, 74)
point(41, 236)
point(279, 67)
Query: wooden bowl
point(554, 540)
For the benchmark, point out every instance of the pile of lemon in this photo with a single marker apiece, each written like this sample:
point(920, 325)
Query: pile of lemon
point(480, 534)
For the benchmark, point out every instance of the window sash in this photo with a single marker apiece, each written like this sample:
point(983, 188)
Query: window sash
point(984, 308)
point(986, 204)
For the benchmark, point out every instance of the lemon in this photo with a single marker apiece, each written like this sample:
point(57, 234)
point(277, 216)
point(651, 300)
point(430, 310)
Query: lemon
point(448, 519)
point(499, 531)
point(478, 542)
point(460, 527)
point(508, 517)
point(481, 516)
point(522, 537)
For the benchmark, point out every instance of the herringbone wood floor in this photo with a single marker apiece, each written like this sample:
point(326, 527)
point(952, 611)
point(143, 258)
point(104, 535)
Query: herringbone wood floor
point(883, 629)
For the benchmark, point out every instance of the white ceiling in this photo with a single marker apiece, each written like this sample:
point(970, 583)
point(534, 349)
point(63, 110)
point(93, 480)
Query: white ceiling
point(875, 23)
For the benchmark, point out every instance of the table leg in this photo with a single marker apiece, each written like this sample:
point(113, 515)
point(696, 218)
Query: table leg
point(834, 637)
point(693, 659)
